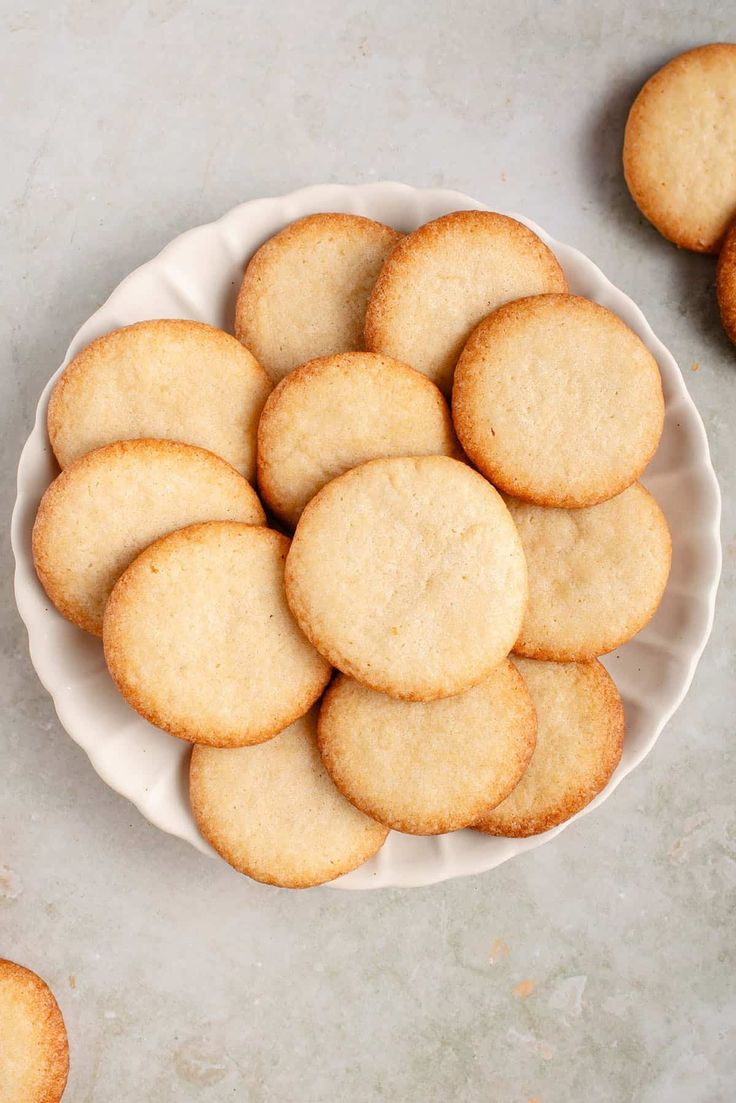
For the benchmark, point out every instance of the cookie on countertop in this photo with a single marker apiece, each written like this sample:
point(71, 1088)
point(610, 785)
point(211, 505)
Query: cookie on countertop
point(580, 732)
point(273, 813)
point(199, 639)
point(680, 147)
point(103, 510)
point(331, 414)
point(441, 280)
point(726, 283)
point(557, 401)
point(305, 290)
point(34, 1051)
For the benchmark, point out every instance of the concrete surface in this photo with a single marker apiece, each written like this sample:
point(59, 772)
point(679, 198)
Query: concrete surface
point(124, 124)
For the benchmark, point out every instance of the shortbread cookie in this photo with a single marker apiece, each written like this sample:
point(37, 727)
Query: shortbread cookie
point(305, 291)
point(332, 414)
point(557, 401)
point(680, 147)
point(726, 283)
point(273, 813)
point(444, 278)
point(596, 575)
point(199, 639)
point(428, 766)
point(168, 379)
point(103, 510)
point(580, 733)
point(408, 575)
point(34, 1052)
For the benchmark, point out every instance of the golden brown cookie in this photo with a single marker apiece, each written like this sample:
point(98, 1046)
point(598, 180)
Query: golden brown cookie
point(428, 766)
point(305, 290)
point(334, 413)
point(596, 575)
point(726, 283)
point(680, 147)
point(273, 813)
point(34, 1052)
point(580, 732)
point(557, 401)
point(444, 278)
point(199, 639)
point(169, 379)
point(103, 510)
point(408, 575)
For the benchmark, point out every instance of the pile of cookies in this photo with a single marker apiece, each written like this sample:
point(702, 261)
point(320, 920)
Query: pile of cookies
point(680, 159)
point(340, 658)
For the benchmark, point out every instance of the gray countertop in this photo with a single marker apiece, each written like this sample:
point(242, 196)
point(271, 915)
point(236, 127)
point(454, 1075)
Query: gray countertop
point(179, 980)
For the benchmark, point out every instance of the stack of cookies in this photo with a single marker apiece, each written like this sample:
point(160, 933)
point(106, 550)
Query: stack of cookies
point(446, 446)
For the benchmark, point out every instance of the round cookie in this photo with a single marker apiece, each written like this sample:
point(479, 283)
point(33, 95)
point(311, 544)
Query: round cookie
point(596, 575)
point(680, 147)
point(580, 733)
point(557, 401)
point(444, 278)
point(169, 379)
point(273, 813)
point(305, 290)
point(103, 510)
point(334, 413)
point(425, 767)
point(34, 1052)
point(408, 575)
point(726, 283)
point(199, 639)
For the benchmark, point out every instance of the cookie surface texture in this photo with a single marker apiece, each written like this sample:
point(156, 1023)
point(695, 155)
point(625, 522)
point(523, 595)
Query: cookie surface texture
point(200, 641)
point(34, 1052)
point(557, 401)
point(332, 414)
point(680, 147)
point(305, 290)
point(425, 767)
point(103, 510)
point(596, 575)
point(444, 278)
point(580, 731)
point(408, 575)
point(726, 283)
point(167, 379)
point(273, 813)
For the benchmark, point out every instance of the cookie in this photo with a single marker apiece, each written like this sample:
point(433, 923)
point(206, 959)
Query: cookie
point(199, 640)
point(305, 291)
point(337, 412)
point(726, 283)
point(557, 401)
point(408, 575)
point(596, 575)
point(273, 813)
point(168, 379)
point(680, 147)
point(580, 734)
point(103, 510)
point(425, 767)
point(34, 1052)
point(444, 278)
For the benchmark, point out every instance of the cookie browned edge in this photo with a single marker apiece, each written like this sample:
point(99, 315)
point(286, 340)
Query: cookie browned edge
point(726, 282)
point(49, 1012)
point(66, 609)
point(130, 693)
point(523, 827)
point(642, 193)
point(560, 655)
point(311, 370)
point(423, 238)
point(222, 847)
point(465, 372)
point(342, 664)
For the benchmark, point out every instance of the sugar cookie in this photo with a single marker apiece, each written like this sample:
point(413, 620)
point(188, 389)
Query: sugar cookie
point(726, 283)
point(34, 1051)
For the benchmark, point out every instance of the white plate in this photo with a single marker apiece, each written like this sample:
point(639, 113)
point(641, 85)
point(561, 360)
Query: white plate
point(197, 276)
